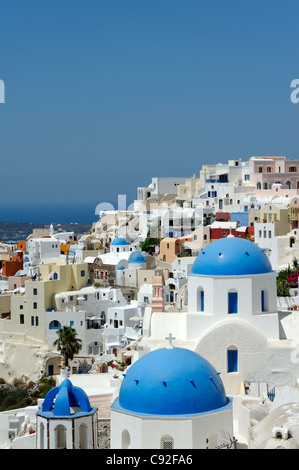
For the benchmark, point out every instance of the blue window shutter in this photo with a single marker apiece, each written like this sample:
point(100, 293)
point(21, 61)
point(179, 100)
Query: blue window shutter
point(202, 301)
point(233, 302)
point(232, 360)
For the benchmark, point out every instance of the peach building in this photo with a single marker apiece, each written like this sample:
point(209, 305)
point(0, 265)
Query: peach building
point(158, 294)
point(170, 248)
point(293, 213)
point(274, 176)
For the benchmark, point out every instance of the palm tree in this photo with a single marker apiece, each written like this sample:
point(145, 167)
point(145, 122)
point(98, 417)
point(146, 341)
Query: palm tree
point(67, 343)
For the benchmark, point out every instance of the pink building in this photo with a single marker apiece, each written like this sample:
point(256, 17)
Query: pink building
point(274, 176)
point(158, 294)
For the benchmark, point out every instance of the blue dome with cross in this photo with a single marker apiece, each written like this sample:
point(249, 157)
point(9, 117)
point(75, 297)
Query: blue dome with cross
point(231, 256)
point(171, 381)
point(118, 242)
point(66, 400)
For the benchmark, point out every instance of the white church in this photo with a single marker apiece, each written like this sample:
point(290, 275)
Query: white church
point(232, 318)
point(171, 398)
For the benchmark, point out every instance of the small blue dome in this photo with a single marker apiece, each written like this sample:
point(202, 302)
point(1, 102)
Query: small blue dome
point(121, 268)
point(231, 256)
point(66, 400)
point(137, 257)
point(171, 381)
point(119, 241)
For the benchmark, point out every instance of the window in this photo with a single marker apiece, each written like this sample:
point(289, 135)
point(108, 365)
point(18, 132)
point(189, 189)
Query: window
point(83, 441)
point(54, 325)
point(125, 438)
point(32, 321)
point(167, 442)
point(41, 435)
point(36, 321)
point(260, 169)
point(35, 305)
point(200, 300)
point(293, 169)
point(264, 300)
point(21, 307)
point(83, 273)
point(232, 360)
point(233, 302)
point(71, 323)
point(60, 437)
point(34, 291)
point(269, 169)
point(22, 319)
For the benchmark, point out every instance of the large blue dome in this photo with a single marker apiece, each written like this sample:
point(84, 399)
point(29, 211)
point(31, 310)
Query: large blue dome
point(119, 241)
point(171, 381)
point(66, 400)
point(231, 256)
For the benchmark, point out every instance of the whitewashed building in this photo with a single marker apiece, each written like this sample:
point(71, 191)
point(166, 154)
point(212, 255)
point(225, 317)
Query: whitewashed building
point(231, 317)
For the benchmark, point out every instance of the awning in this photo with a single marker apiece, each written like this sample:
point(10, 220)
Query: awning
point(129, 353)
point(136, 318)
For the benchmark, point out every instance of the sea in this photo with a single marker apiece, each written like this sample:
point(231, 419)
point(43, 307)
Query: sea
point(41, 213)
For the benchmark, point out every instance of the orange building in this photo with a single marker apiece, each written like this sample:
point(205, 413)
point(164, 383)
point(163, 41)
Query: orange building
point(21, 245)
point(65, 247)
point(170, 248)
point(9, 268)
point(15, 264)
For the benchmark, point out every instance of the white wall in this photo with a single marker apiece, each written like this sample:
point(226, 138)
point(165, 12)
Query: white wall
point(187, 432)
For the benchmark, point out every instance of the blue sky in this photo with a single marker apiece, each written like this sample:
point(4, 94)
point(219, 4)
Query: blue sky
point(102, 95)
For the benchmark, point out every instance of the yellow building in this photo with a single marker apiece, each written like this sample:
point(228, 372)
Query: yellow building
point(27, 322)
point(271, 213)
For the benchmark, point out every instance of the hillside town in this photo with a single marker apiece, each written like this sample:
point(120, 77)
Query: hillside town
point(186, 304)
